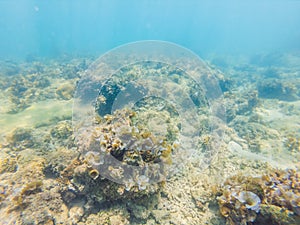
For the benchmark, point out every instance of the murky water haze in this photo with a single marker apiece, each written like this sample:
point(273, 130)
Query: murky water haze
point(52, 28)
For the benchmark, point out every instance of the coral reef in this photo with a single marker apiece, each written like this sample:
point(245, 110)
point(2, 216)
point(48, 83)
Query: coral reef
point(85, 181)
point(279, 89)
point(33, 82)
point(45, 180)
point(273, 198)
point(9, 68)
point(8, 164)
point(65, 91)
point(61, 134)
point(112, 216)
point(62, 130)
point(21, 138)
point(244, 104)
point(119, 137)
point(142, 138)
point(292, 143)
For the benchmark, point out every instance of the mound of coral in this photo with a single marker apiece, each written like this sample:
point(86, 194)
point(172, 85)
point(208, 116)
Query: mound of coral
point(273, 198)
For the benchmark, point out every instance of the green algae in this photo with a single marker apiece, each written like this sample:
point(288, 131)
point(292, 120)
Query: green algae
point(38, 114)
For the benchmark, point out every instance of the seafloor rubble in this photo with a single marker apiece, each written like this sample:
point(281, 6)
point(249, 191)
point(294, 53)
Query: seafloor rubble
point(46, 179)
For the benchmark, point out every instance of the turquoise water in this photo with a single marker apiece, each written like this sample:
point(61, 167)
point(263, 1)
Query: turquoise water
point(51, 28)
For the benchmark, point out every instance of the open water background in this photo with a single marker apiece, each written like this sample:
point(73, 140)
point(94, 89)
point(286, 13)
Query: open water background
point(50, 28)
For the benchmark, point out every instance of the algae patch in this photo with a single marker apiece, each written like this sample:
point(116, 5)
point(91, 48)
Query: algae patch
point(38, 114)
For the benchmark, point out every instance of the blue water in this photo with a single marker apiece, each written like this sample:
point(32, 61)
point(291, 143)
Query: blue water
point(55, 27)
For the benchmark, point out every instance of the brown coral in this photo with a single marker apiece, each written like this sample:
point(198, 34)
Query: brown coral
point(243, 197)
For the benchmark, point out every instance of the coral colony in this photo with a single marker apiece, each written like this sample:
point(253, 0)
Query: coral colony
point(274, 196)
